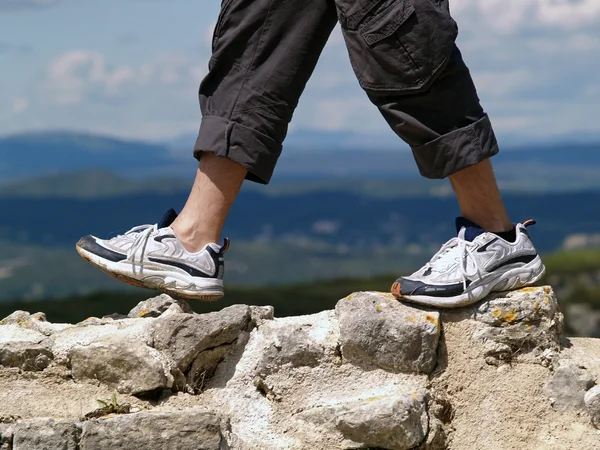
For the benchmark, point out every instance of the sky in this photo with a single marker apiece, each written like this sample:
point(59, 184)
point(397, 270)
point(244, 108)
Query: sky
point(131, 68)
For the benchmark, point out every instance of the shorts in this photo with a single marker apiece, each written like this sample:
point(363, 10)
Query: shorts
point(403, 53)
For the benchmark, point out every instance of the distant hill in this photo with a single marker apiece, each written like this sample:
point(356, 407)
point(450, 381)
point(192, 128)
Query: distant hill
point(337, 155)
point(339, 218)
point(90, 184)
point(43, 153)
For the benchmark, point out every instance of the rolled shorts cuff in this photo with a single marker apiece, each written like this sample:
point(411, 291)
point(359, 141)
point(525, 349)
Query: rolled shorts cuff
point(457, 150)
point(252, 149)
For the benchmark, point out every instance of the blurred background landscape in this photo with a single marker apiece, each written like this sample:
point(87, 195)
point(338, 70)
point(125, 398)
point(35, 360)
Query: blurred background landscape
point(97, 124)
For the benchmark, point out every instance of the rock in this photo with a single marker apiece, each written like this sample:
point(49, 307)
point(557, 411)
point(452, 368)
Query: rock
point(113, 316)
point(294, 344)
point(203, 367)
point(90, 331)
point(524, 320)
point(184, 336)
point(46, 434)
point(356, 377)
point(127, 365)
point(592, 403)
point(36, 322)
point(22, 346)
point(18, 317)
point(11, 333)
point(6, 436)
point(394, 423)
point(375, 329)
point(185, 430)
point(568, 387)
point(26, 355)
point(390, 422)
point(259, 314)
point(156, 306)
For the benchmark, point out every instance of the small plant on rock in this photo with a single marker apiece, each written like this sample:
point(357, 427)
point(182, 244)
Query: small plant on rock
point(109, 407)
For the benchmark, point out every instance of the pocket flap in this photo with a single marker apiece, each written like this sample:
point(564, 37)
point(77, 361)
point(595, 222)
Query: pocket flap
point(387, 20)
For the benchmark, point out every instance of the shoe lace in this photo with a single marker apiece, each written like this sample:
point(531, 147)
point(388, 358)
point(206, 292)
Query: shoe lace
point(137, 229)
point(141, 241)
point(446, 257)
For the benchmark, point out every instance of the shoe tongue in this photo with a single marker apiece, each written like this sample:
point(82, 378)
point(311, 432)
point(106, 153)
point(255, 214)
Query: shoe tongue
point(167, 219)
point(468, 230)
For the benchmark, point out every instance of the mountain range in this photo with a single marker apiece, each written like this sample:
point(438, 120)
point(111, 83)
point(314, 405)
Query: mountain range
point(316, 156)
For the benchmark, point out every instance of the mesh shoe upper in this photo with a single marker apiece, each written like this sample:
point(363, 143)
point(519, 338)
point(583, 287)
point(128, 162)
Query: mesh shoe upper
point(155, 246)
point(461, 263)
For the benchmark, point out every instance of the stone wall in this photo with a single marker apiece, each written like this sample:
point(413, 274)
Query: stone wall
point(373, 373)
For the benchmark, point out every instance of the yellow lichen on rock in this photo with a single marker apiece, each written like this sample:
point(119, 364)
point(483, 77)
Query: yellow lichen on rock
point(496, 313)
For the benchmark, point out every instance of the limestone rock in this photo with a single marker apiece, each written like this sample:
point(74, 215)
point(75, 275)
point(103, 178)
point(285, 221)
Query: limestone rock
point(26, 356)
point(184, 430)
point(259, 314)
point(592, 403)
point(297, 344)
point(90, 331)
point(36, 322)
point(376, 329)
point(203, 367)
point(184, 336)
point(129, 366)
point(524, 319)
point(46, 434)
point(156, 306)
point(568, 387)
point(391, 422)
point(21, 345)
point(16, 317)
point(6, 436)
point(11, 333)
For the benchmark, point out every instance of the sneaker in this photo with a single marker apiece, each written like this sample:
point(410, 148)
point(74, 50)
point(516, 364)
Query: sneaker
point(151, 256)
point(470, 266)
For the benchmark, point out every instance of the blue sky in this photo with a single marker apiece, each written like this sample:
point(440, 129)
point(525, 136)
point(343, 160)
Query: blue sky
point(131, 68)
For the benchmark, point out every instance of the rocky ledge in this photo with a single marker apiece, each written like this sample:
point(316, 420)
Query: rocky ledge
point(373, 373)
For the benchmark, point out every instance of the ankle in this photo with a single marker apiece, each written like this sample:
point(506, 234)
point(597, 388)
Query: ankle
point(193, 240)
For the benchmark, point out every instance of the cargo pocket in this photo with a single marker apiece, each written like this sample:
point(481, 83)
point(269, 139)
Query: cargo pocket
point(218, 31)
point(400, 45)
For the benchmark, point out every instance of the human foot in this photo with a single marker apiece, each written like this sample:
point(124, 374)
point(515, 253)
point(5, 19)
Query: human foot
point(470, 266)
point(151, 256)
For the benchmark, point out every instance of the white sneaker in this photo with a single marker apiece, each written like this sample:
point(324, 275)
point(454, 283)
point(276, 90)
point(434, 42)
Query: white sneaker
point(151, 256)
point(470, 266)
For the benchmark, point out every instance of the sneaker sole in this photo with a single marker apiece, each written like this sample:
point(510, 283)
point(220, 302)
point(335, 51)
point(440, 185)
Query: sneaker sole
point(157, 280)
point(512, 279)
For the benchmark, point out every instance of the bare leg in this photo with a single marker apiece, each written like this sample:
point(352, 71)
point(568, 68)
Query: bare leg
point(479, 197)
point(217, 183)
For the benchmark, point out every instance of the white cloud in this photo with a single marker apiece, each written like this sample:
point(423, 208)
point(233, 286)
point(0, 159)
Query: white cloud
point(534, 63)
point(502, 83)
point(70, 73)
point(573, 43)
point(77, 73)
point(508, 16)
point(19, 106)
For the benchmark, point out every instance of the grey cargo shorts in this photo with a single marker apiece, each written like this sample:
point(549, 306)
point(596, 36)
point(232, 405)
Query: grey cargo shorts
point(403, 53)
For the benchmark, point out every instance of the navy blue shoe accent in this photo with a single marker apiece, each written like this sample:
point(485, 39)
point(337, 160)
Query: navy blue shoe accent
point(166, 236)
point(472, 229)
point(485, 247)
point(190, 270)
point(89, 244)
point(525, 259)
point(412, 287)
point(167, 219)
